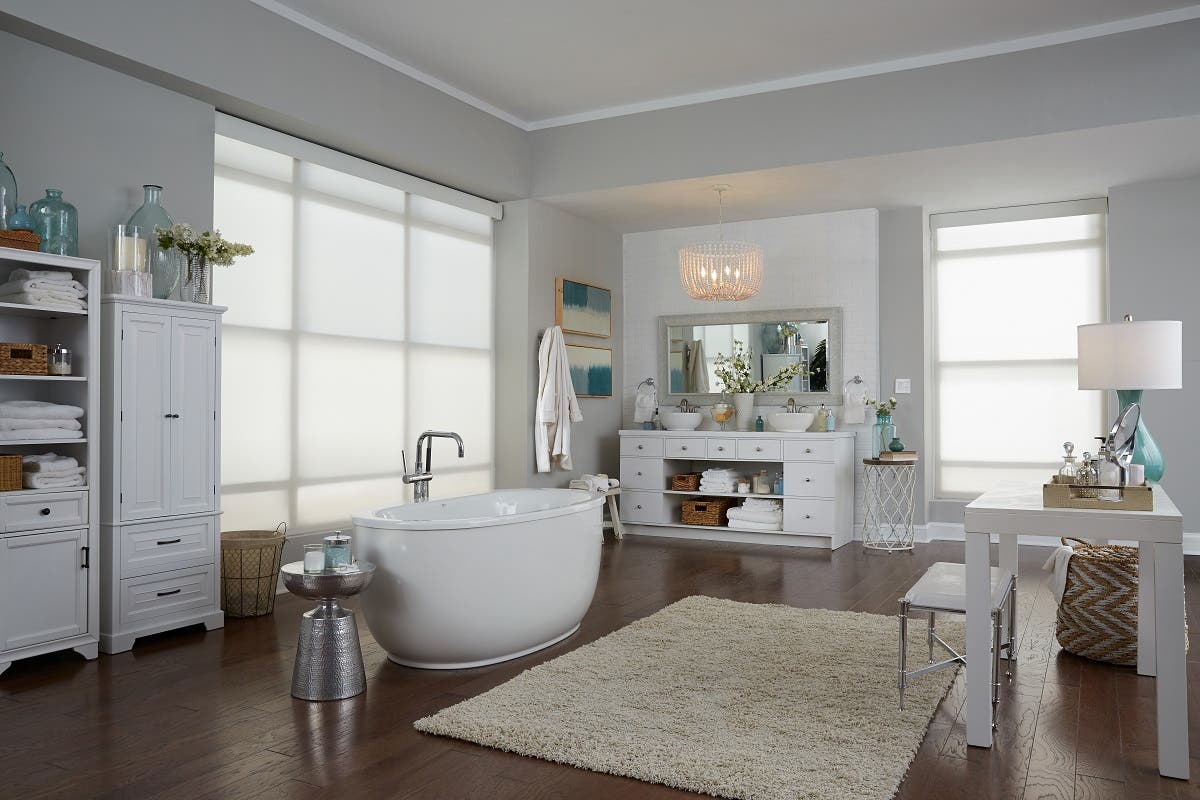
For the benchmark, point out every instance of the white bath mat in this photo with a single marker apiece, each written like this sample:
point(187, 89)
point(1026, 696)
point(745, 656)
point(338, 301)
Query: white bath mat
point(730, 699)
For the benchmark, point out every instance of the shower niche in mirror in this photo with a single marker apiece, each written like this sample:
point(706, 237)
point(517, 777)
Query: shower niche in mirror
point(690, 344)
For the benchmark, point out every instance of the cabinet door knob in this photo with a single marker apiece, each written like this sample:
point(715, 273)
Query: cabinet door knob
point(684, 447)
point(758, 449)
point(640, 447)
point(808, 449)
point(808, 480)
point(639, 507)
point(808, 516)
point(45, 512)
point(639, 474)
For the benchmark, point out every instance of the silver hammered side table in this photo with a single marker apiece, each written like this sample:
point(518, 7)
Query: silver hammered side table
point(329, 664)
point(888, 488)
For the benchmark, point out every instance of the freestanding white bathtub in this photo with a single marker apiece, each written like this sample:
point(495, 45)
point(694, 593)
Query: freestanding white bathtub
point(475, 580)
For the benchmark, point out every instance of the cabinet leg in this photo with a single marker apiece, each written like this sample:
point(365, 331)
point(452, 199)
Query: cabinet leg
point(214, 622)
point(117, 643)
point(618, 528)
point(88, 651)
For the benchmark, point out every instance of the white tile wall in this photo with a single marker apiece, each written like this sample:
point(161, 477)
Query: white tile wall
point(809, 261)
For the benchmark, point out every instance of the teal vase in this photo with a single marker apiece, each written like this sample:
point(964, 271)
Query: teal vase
point(882, 433)
point(57, 222)
point(164, 262)
point(8, 195)
point(1145, 450)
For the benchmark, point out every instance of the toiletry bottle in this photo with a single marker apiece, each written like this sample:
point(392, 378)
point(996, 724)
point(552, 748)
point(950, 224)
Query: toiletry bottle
point(778, 483)
point(830, 421)
point(1068, 471)
point(758, 424)
point(1108, 471)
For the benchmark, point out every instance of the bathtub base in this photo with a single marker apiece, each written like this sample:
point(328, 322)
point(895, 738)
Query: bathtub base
point(486, 662)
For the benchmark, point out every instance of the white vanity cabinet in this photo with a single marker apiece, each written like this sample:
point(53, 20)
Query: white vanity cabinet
point(818, 481)
point(160, 518)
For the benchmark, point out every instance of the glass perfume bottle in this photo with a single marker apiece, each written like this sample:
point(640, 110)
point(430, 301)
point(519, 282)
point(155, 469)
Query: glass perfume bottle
point(1086, 475)
point(1068, 471)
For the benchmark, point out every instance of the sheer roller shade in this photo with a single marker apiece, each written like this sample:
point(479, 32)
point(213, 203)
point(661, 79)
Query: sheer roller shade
point(363, 318)
point(1010, 286)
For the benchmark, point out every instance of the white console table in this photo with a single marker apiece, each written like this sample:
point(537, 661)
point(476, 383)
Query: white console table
point(1010, 510)
point(818, 482)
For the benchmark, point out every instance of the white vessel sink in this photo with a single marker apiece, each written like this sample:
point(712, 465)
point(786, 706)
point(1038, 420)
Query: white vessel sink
point(682, 420)
point(791, 423)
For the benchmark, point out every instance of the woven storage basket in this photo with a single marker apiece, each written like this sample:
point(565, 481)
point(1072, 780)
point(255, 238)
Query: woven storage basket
point(23, 359)
point(10, 473)
point(250, 570)
point(687, 482)
point(1097, 617)
point(708, 511)
point(21, 240)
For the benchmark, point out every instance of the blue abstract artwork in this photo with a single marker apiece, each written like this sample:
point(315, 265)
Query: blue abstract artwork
point(591, 370)
point(583, 308)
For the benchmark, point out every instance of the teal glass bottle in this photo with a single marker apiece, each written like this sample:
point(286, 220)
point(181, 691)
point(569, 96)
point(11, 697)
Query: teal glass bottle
point(20, 220)
point(882, 433)
point(57, 222)
point(1145, 449)
point(8, 194)
point(164, 263)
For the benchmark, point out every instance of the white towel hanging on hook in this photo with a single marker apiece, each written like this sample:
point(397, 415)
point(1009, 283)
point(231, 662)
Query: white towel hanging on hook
point(557, 405)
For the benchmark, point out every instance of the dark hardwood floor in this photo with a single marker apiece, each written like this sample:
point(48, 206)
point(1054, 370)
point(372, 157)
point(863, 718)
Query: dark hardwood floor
point(209, 715)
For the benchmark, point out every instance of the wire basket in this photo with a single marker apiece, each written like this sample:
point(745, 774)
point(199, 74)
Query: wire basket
point(707, 511)
point(250, 570)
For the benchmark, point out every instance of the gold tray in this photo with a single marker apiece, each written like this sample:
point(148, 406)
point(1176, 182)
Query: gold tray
point(1058, 494)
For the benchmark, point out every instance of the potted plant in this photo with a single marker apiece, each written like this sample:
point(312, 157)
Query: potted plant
point(737, 377)
point(201, 250)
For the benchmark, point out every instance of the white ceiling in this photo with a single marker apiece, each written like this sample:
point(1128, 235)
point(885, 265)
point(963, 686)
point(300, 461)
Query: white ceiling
point(1037, 169)
point(539, 63)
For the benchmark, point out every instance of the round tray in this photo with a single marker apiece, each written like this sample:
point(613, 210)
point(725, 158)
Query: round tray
point(323, 585)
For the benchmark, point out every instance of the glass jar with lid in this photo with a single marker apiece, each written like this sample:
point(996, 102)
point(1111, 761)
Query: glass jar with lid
point(1068, 472)
point(60, 360)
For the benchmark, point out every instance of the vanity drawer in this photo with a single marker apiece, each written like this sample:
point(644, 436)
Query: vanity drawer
point(723, 449)
point(808, 451)
point(758, 449)
point(642, 473)
point(802, 479)
point(641, 446)
point(808, 516)
point(149, 598)
point(158, 547)
point(685, 448)
point(38, 511)
point(643, 507)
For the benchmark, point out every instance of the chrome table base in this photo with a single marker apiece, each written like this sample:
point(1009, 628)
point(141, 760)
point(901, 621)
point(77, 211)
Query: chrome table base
point(329, 664)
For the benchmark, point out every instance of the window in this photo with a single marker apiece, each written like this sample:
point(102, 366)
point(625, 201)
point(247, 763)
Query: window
point(1010, 286)
point(363, 318)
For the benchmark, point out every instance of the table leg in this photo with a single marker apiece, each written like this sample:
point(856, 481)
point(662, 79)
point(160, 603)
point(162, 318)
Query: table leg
point(1008, 562)
point(1146, 656)
point(979, 645)
point(1170, 636)
point(618, 528)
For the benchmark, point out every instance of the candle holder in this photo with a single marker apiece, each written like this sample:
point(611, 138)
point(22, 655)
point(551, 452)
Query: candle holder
point(128, 261)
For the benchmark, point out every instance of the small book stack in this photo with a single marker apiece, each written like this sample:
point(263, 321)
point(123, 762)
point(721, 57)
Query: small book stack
point(898, 456)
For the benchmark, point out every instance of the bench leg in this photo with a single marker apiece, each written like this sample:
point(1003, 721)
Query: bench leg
point(903, 678)
point(618, 528)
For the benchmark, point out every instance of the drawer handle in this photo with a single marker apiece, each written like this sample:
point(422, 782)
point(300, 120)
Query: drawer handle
point(45, 512)
point(684, 447)
point(758, 449)
point(639, 474)
point(640, 447)
point(720, 449)
point(169, 591)
point(639, 508)
point(808, 480)
point(808, 450)
point(168, 541)
point(87, 557)
point(808, 516)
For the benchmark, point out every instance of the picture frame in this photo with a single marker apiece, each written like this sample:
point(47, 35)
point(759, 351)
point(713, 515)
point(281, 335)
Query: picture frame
point(582, 308)
point(591, 370)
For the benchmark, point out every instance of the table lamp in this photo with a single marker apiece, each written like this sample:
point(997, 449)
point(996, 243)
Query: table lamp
point(1130, 357)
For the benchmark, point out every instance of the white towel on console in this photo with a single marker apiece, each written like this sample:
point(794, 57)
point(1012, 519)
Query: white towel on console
point(56, 275)
point(36, 480)
point(73, 290)
point(744, 525)
point(763, 517)
point(40, 433)
point(49, 463)
point(17, 424)
point(44, 299)
point(37, 409)
point(761, 504)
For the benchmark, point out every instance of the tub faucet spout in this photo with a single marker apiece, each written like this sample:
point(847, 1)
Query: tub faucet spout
point(423, 474)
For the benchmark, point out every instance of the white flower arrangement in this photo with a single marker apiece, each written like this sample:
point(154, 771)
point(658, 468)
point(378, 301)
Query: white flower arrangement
point(210, 245)
point(737, 376)
point(883, 408)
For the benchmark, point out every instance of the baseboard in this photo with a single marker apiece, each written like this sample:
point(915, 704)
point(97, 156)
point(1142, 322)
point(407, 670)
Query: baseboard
point(954, 532)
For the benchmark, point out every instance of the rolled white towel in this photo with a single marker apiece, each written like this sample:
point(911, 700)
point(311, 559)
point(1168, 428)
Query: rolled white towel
point(745, 525)
point(37, 409)
point(34, 480)
point(16, 424)
point(40, 433)
point(71, 289)
point(23, 274)
point(765, 517)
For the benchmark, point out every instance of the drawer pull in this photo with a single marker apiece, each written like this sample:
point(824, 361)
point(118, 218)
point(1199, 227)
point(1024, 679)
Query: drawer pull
point(168, 541)
point(168, 592)
point(640, 447)
point(684, 447)
point(720, 449)
point(45, 512)
point(87, 557)
point(808, 516)
point(808, 450)
point(808, 480)
point(639, 507)
point(639, 474)
point(758, 449)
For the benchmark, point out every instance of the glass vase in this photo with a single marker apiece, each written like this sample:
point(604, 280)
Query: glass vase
point(198, 285)
point(882, 432)
point(164, 262)
point(8, 194)
point(57, 222)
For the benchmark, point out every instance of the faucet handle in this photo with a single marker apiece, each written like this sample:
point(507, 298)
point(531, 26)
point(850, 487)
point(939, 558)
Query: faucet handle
point(404, 461)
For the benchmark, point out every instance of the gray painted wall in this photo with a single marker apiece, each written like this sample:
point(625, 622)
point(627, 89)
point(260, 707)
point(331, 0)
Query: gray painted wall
point(99, 135)
point(254, 64)
point(1154, 273)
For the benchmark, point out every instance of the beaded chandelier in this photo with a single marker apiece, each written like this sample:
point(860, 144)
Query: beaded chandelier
point(721, 270)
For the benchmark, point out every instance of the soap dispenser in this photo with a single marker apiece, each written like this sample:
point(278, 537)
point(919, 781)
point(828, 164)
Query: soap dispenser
point(758, 424)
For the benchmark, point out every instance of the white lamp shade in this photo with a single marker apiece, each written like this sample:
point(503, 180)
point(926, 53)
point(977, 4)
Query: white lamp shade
point(1131, 355)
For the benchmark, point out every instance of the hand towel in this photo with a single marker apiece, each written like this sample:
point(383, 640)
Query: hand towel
point(22, 274)
point(697, 368)
point(854, 404)
point(48, 463)
point(765, 517)
point(645, 403)
point(37, 409)
point(17, 423)
point(33, 480)
point(44, 300)
point(557, 405)
point(72, 289)
point(762, 504)
point(1058, 562)
point(40, 433)
point(719, 474)
point(743, 525)
point(57, 473)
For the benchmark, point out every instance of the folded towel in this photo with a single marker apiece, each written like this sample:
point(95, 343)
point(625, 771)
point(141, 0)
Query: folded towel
point(45, 300)
point(22, 274)
point(57, 473)
point(706, 486)
point(33, 480)
point(40, 433)
point(71, 289)
point(762, 504)
point(719, 474)
point(47, 458)
point(744, 525)
point(765, 517)
point(17, 423)
point(593, 483)
point(37, 409)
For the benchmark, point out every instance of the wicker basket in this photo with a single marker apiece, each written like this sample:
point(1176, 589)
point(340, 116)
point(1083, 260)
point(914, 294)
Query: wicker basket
point(1098, 615)
point(687, 482)
point(709, 511)
point(250, 570)
point(23, 359)
point(21, 240)
point(10, 473)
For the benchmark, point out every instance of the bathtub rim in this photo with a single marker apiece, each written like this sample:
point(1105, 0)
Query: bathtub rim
point(371, 518)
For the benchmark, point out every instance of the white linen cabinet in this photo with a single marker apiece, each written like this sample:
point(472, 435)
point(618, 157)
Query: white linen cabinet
point(160, 509)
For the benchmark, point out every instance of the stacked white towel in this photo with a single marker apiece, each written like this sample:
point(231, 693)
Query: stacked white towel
point(34, 419)
point(757, 514)
point(720, 481)
point(44, 287)
point(594, 483)
point(52, 471)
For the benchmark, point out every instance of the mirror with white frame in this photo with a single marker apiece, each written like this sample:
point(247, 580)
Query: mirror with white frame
point(805, 340)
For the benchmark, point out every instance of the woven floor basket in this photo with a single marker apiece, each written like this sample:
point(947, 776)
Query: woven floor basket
point(250, 570)
point(1097, 617)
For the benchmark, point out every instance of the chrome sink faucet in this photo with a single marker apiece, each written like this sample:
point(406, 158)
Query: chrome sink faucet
point(424, 468)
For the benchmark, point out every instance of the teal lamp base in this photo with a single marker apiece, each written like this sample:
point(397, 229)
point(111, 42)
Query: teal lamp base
point(1145, 450)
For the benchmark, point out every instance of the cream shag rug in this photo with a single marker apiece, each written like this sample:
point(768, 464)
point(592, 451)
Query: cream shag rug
point(730, 699)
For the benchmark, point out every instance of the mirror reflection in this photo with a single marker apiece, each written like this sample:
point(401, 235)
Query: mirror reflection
point(693, 351)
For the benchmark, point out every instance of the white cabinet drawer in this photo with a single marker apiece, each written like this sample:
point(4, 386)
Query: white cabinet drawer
point(38, 511)
point(642, 473)
point(808, 451)
point(159, 547)
point(685, 448)
point(641, 446)
point(643, 507)
point(804, 479)
point(808, 516)
point(149, 598)
point(723, 449)
point(758, 449)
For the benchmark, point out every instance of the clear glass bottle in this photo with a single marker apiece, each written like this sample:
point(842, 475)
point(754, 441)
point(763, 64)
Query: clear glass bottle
point(1068, 471)
point(337, 552)
point(1086, 476)
point(8, 194)
point(164, 263)
point(57, 222)
point(60, 360)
